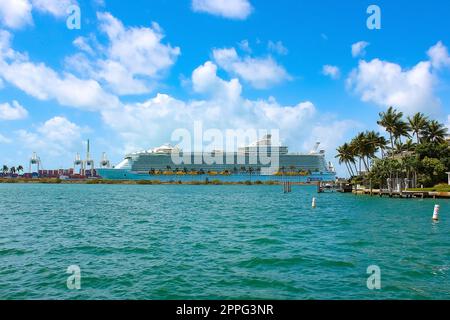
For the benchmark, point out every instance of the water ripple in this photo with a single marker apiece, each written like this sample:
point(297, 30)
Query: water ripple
point(223, 242)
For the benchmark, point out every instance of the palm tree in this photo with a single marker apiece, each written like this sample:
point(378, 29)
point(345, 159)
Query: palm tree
point(390, 121)
point(375, 142)
point(361, 149)
point(12, 170)
point(399, 147)
point(417, 124)
point(435, 132)
point(382, 144)
point(345, 156)
point(19, 169)
point(410, 164)
point(409, 145)
point(5, 169)
point(401, 130)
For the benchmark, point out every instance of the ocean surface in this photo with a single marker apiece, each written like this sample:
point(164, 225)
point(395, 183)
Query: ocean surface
point(218, 242)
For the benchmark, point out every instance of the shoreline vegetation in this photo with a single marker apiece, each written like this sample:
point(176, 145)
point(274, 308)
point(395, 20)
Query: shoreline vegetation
point(144, 182)
point(414, 157)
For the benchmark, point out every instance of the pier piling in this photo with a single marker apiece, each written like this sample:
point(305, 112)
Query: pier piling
point(287, 186)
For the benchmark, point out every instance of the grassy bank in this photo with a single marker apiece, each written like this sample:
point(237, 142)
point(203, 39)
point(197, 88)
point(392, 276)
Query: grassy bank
point(139, 182)
point(438, 188)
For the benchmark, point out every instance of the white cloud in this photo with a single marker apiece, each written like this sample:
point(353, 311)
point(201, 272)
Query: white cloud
point(5, 46)
point(439, 56)
point(139, 49)
point(43, 83)
point(261, 73)
point(12, 112)
point(134, 59)
point(332, 71)
point(18, 13)
point(321, 133)
point(151, 123)
point(100, 3)
point(56, 8)
point(82, 43)
point(143, 125)
point(359, 49)
point(55, 137)
point(278, 47)
point(205, 80)
point(4, 139)
point(244, 45)
point(15, 13)
point(388, 84)
point(60, 129)
point(232, 9)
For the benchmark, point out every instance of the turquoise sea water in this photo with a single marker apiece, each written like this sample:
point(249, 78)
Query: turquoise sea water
point(225, 242)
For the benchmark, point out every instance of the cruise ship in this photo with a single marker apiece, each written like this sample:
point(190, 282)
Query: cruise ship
point(248, 162)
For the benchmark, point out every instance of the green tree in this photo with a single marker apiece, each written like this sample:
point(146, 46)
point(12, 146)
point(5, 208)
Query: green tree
point(435, 132)
point(432, 171)
point(390, 120)
point(345, 155)
point(401, 130)
point(417, 125)
point(409, 145)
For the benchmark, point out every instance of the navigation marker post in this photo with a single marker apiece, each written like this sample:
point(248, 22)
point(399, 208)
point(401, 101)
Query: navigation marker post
point(436, 212)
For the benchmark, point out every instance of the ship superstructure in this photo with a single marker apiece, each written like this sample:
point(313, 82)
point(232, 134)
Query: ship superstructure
point(251, 159)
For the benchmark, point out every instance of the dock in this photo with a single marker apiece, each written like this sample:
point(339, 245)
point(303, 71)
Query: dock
point(402, 194)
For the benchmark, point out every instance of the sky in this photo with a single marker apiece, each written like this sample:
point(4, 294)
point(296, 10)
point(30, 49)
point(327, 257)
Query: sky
point(135, 71)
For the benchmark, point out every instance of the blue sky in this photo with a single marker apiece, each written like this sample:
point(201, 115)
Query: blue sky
point(138, 70)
